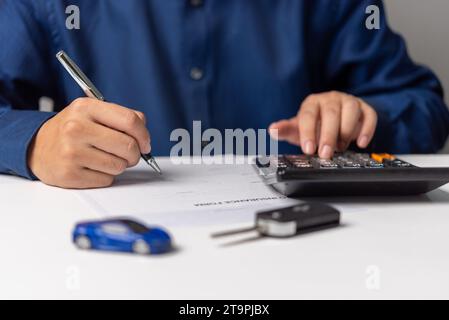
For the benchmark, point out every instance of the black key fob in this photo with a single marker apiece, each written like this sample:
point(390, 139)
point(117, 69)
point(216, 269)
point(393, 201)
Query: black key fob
point(288, 222)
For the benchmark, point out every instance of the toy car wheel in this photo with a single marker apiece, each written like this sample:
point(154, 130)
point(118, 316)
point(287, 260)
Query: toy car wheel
point(141, 247)
point(83, 242)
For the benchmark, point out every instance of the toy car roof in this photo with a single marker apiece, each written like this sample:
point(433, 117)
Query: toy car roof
point(133, 225)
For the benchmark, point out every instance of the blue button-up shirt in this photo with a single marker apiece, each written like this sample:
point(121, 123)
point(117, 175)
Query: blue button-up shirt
point(229, 63)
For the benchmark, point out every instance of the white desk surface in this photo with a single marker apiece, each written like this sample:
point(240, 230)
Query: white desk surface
point(391, 248)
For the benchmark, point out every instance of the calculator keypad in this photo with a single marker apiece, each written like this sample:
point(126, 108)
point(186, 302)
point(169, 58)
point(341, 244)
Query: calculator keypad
point(347, 160)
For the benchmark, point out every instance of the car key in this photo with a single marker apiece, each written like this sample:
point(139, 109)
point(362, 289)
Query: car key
point(291, 221)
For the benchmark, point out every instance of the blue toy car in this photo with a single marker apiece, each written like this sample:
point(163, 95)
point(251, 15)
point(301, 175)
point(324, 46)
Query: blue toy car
point(122, 235)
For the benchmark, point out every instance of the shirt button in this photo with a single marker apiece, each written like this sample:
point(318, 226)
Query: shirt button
point(196, 3)
point(196, 74)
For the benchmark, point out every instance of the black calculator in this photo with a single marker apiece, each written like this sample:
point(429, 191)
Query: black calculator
point(348, 174)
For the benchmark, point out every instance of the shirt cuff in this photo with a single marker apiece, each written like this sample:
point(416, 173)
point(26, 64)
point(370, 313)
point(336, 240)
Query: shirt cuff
point(390, 109)
point(17, 130)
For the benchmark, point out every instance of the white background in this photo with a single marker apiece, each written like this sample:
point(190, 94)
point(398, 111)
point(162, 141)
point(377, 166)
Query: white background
point(425, 26)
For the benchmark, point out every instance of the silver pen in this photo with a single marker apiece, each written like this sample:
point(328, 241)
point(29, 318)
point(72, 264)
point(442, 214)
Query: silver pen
point(92, 92)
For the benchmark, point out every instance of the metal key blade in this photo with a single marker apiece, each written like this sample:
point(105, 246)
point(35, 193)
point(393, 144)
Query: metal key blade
point(242, 241)
point(232, 232)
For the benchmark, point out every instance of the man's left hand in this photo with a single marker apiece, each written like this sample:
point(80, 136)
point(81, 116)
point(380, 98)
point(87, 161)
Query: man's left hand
point(328, 122)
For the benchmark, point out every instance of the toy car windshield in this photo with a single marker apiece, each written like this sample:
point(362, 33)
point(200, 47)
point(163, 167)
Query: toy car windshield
point(135, 227)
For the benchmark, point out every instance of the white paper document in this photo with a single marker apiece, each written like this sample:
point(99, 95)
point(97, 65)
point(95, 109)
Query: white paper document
point(193, 194)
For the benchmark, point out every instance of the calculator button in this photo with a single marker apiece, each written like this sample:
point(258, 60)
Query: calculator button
point(397, 163)
point(300, 157)
point(281, 163)
point(302, 165)
point(374, 164)
point(363, 157)
point(324, 163)
point(350, 165)
point(347, 162)
point(381, 157)
point(300, 161)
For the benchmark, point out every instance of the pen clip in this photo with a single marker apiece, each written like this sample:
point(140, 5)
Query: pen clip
point(83, 81)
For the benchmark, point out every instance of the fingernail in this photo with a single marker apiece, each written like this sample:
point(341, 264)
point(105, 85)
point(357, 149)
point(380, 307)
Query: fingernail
point(326, 152)
point(147, 149)
point(309, 147)
point(363, 142)
point(274, 133)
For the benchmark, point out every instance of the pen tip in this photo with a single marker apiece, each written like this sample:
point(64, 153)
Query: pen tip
point(156, 168)
point(152, 163)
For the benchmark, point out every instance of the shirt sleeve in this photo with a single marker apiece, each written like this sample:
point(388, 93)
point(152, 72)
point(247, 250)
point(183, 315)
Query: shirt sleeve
point(24, 55)
point(375, 66)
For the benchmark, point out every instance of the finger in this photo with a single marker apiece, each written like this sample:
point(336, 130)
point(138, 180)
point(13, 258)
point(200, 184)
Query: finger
point(330, 113)
point(308, 119)
point(350, 116)
point(113, 142)
point(142, 117)
point(101, 161)
point(121, 119)
point(285, 130)
point(368, 128)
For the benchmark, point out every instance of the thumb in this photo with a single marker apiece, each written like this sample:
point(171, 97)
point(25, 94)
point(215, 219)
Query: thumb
point(285, 130)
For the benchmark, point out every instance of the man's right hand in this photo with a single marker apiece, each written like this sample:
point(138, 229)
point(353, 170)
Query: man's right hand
point(87, 144)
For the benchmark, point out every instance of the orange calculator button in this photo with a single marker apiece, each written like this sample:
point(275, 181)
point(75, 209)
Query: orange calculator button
point(380, 157)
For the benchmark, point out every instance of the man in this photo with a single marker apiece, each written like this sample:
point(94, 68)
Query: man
point(231, 64)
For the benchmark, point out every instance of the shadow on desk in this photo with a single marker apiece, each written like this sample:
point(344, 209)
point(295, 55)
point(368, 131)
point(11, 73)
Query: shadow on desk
point(305, 233)
point(436, 196)
point(174, 251)
point(137, 177)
